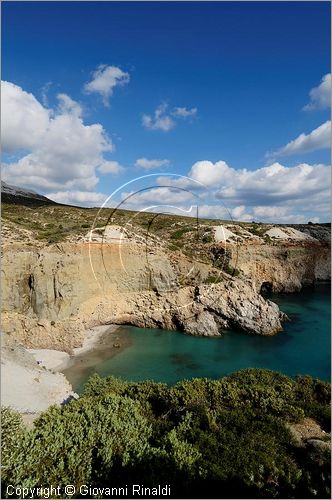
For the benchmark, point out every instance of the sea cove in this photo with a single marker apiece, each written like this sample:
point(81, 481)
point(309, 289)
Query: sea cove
point(167, 356)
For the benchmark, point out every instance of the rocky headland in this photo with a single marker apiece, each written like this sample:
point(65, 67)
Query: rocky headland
point(176, 277)
point(53, 292)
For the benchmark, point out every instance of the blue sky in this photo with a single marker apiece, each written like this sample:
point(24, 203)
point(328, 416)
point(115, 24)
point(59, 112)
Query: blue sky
point(98, 94)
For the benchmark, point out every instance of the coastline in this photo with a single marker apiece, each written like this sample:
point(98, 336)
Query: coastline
point(34, 379)
point(94, 338)
point(101, 344)
point(59, 361)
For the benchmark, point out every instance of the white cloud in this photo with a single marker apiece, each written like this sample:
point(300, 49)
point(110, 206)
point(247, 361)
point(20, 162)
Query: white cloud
point(68, 105)
point(273, 184)
point(320, 97)
point(272, 212)
point(319, 138)
point(274, 193)
point(282, 215)
point(240, 213)
point(44, 93)
point(164, 120)
point(213, 212)
point(110, 167)
point(24, 119)
point(210, 174)
point(61, 151)
point(184, 112)
point(160, 120)
point(105, 79)
point(180, 182)
point(86, 198)
point(150, 164)
point(161, 195)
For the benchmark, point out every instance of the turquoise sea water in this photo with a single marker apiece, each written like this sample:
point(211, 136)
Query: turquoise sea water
point(302, 348)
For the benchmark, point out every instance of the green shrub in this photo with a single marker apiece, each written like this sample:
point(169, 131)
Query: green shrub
point(222, 438)
point(313, 396)
point(80, 442)
point(179, 233)
point(213, 279)
point(227, 268)
point(12, 432)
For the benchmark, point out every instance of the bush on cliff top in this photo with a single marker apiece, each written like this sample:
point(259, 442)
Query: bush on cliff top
point(218, 438)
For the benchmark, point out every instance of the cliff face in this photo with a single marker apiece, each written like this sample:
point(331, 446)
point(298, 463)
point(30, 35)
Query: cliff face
point(53, 281)
point(284, 266)
point(51, 292)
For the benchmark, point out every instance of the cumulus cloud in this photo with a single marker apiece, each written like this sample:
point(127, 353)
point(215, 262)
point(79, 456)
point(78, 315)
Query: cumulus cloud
point(272, 212)
point(161, 195)
point(273, 184)
point(273, 193)
point(209, 173)
point(104, 80)
point(24, 119)
point(164, 120)
point(110, 167)
point(319, 138)
point(320, 96)
point(213, 212)
point(68, 105)
point(184, 112)
point(86, 198)
point(285, 215)
point(150, 164)
point(248, 214)
point(160, 120)
point(60, 151)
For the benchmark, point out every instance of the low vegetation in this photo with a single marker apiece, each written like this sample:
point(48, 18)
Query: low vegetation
point(58, 222)
point(52, 222)
point(227, 438)
point(61, 221)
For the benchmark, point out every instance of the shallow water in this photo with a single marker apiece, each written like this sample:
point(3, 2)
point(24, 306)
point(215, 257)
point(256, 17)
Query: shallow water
point(302, 348)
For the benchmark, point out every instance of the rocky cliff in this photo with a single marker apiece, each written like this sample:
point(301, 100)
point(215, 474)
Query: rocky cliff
point(284, 266)
point(51, 294)
point(53, 291)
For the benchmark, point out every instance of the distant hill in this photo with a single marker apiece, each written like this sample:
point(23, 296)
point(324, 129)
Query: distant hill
point(20, 196)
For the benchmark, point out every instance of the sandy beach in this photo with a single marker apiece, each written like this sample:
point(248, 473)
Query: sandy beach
point(33, 379)
point(100, 345)
point(27, 386)
point(59, 360)
point(50, 358)
point(94, 337)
